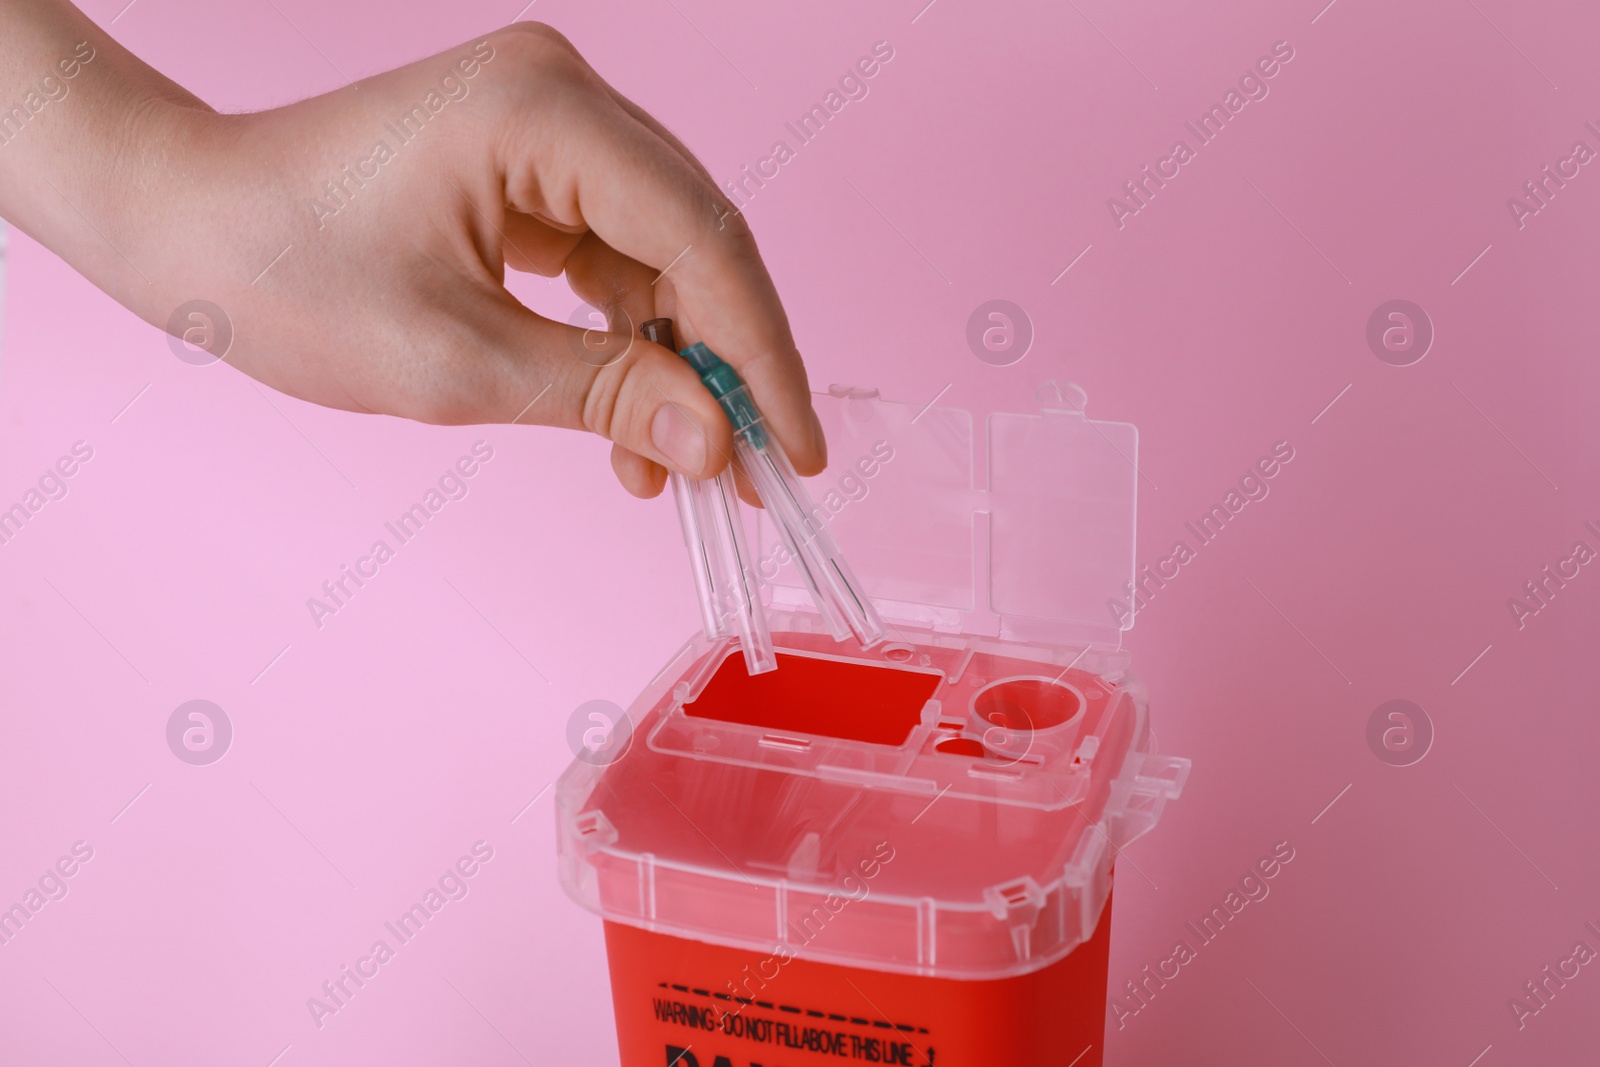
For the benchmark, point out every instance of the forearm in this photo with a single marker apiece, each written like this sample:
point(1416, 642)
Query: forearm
point(87, 132)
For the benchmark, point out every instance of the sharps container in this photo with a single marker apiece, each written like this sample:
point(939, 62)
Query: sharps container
point(903, 854)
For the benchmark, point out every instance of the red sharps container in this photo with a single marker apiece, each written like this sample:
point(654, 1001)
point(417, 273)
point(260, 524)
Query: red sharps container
point(902, 854)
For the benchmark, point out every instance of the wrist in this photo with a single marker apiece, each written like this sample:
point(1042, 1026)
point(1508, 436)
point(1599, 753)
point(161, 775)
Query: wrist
point(148, 185)
point(94, 137)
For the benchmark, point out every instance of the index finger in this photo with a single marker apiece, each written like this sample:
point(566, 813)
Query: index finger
point(589, 162)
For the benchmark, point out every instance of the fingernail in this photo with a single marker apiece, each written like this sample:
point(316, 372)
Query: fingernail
point(678, 439)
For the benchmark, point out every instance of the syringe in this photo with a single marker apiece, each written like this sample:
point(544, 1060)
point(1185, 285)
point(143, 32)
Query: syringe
point(719, 554)
point(828, 578)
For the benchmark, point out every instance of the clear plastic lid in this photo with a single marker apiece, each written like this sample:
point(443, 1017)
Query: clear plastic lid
point(1023, 531)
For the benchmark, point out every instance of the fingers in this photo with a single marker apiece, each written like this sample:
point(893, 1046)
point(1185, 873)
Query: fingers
point(637, 394)
point(621, 288)
point(534, 246)
point(612, 282)
point(648, 120)
point(587, 161)
point(639, 476)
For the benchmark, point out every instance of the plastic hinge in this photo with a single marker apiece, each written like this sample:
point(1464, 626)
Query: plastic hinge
point(1162, 775)
point(1061, 397)
point(1021, 898)
point(1018, 904)
point(1135, 808)
point(594, 830)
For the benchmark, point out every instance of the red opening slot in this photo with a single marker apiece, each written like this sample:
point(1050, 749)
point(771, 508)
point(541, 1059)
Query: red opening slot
point(878, 703)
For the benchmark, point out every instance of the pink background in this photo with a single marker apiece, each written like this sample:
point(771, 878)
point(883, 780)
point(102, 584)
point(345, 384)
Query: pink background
point(1221, 319)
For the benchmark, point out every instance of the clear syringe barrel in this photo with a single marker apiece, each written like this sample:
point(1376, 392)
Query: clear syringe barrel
point(699, 538)
point(724, 571)
point(827, 576)
point(737, 587)
point(788, 519)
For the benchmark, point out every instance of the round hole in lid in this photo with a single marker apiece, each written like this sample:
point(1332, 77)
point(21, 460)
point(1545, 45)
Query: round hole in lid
point(961, 746)
point(898, 653)
point(1023, 705)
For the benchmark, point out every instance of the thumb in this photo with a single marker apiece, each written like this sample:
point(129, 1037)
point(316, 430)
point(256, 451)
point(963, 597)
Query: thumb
point(615, 384)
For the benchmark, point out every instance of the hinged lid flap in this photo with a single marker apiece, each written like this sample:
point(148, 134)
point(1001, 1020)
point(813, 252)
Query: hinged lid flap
point(1023, 531)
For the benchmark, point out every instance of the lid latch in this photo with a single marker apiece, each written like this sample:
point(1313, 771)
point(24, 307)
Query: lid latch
point(1018, 904)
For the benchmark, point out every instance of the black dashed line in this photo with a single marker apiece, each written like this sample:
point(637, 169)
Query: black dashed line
point(880, 1024)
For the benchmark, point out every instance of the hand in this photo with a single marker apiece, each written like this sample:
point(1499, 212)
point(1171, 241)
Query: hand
point(401, 201)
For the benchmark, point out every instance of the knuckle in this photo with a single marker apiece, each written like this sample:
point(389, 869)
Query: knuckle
point(539, 31)
point(603, 396)
point(534, 46)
